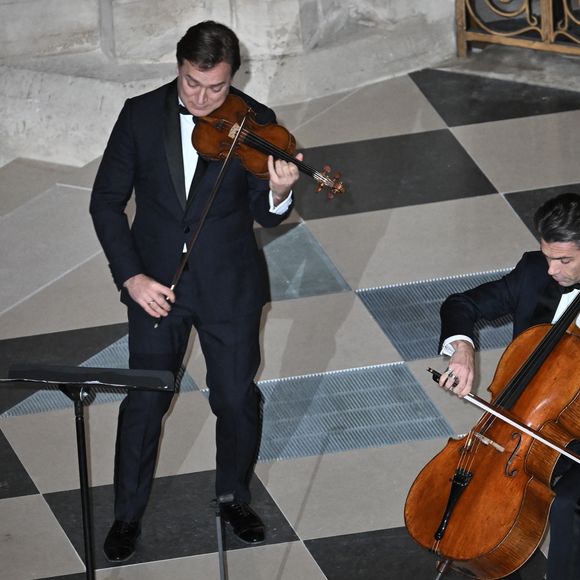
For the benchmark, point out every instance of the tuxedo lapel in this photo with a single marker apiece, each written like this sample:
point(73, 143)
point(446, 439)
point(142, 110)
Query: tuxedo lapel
point(172, 136)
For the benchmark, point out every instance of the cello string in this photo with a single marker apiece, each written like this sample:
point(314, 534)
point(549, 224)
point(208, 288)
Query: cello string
point(530, 367)
point(522, 378)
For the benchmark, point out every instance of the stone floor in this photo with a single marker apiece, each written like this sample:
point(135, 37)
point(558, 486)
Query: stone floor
point(444, 168)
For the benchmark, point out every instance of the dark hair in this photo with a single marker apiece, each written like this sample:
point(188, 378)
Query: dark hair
point(558, 220)
point(207, 44)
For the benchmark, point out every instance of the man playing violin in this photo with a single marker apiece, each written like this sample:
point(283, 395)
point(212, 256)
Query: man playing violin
point(221, 291)
point(538, 290)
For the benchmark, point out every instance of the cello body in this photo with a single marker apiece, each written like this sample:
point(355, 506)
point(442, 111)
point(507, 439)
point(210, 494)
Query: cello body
point(487, 495)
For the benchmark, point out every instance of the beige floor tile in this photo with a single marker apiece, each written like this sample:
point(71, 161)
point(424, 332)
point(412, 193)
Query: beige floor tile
point(423, 242)
point(349, 492)
point(46, 442)
point(32, 543)
point(82, 176)
point(83, 298)
point(392, 107)
point(47, 239)
point(46, 445)
point(312, 335)
point(280, 562)
point(23, 179)
point(188, 443)
point(319, 334)
point(527, 153)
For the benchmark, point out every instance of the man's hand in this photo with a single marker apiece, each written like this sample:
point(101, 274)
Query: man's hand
point(283, 175)
point(153, 297)
point(458, 376)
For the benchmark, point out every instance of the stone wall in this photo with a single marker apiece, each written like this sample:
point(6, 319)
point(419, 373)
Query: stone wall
point(57, 54)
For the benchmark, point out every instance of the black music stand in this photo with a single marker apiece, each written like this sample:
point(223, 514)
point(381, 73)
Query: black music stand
point(75, 383)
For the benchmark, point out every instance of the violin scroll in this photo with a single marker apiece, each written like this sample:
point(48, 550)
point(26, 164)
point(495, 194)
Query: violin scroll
point(333, 184)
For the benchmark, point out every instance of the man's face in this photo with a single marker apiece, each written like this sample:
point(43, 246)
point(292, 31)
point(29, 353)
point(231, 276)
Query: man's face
point(563, 261)
point(203, 91)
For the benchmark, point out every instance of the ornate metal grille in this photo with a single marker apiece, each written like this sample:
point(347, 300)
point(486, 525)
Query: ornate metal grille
point(549, 25)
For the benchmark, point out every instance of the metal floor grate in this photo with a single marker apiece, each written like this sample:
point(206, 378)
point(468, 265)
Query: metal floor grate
point(298, 266)
point(409, 314)
point(115, 356)
point(345, 410)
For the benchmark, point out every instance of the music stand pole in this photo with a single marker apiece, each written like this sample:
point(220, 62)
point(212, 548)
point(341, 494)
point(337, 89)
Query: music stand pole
point(220, 533)
point(78, 396)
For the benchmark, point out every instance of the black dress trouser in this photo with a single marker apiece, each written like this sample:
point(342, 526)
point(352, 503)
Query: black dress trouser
point(564, 549)
point(232, 354)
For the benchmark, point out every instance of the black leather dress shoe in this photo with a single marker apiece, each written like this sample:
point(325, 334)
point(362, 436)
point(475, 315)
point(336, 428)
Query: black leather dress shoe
point(245, 522)
point(121, 540)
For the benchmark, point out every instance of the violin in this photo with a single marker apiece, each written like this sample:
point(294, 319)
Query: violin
point(214, 134)
point(482, 504)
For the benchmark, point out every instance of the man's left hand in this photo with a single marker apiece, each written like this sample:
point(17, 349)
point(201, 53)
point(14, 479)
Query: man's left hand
point(283, 175)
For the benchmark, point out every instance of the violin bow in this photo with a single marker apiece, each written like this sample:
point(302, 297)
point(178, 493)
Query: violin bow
point(479, 402)
point(207, 207)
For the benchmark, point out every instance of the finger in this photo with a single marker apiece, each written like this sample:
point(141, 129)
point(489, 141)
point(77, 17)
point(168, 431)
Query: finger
point(164, 304)
point(271, 169)
point(151, 309)
point(282, 169)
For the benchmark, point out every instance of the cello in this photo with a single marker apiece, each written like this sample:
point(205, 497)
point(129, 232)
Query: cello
point(482, 504)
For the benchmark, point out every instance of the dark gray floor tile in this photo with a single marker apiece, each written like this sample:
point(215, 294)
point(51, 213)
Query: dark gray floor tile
point(393, 172)
point(463, 99)
point(390, 554)
point(179, 521)
point(14, 479)
point(525, 203)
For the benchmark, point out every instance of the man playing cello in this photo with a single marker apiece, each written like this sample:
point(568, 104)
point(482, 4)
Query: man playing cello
point(539, 289)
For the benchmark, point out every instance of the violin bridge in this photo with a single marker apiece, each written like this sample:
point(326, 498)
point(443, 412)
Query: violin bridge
point(234, 131)
point(487, 441)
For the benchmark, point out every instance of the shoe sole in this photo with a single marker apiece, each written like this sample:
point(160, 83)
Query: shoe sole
point(242, 539)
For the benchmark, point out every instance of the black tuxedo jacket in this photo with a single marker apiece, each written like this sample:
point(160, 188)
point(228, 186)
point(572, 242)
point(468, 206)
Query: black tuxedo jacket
point(144, 155)
point(528, 293)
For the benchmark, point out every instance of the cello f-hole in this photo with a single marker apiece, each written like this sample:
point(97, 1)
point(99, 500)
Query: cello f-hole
point(513, 472)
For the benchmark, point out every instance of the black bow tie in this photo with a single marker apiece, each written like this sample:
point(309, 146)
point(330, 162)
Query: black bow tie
point(184, 111)
point(566, 289)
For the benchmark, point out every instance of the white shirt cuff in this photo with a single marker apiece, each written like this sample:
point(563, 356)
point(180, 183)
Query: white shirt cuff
point(447, 348)
point(282, 207)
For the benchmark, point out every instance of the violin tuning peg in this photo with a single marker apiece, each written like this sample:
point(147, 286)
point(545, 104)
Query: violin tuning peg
point(326, 169)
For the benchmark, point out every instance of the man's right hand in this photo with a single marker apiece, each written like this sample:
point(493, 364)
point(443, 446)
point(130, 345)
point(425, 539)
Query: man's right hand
point(153, 297)
point(458, 376)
